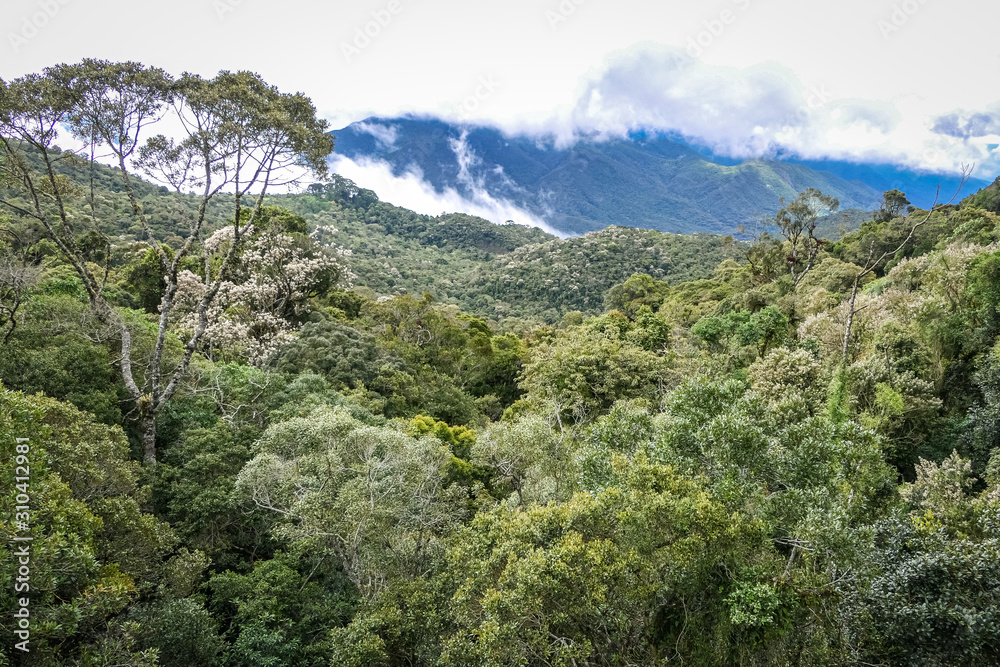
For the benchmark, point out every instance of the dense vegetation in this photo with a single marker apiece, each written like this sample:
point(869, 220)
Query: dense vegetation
point(789, 454)
point(495, 271)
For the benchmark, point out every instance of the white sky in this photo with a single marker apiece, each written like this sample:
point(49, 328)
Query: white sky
point(818, 78)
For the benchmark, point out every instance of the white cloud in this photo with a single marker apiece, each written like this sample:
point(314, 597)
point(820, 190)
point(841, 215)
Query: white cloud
point(410, 190)
point(385, 135)
point(765, 110)
point(888, 90)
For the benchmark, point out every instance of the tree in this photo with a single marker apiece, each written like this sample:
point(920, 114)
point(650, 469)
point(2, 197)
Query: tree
point(239, 137)
point(639, 290)
point(374, 498)
point(797, 222)
point(930, 591)
point(583, 371)
point(17, 276)
point(93, 550)
point(265, 295)
point(894, 202)
point(873, 261)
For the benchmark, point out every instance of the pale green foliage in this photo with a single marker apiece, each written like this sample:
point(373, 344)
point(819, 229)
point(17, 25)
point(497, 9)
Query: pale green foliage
point(625, 430)
point(939, 486)
point(788, 374)
point(833, 275)
point(527, 456)
point(576, 582)
point(375, 498)
point(941, 494)
point(582, 372)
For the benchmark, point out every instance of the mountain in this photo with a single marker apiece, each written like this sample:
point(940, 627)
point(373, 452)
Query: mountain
point(495, 271)
point(649, 182)
point(921, 188)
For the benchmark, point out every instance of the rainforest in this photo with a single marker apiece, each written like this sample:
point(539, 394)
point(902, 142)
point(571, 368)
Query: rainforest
point(252, 425)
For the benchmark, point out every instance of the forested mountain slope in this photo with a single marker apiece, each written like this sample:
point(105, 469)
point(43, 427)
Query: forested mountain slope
point(648, 182)
point(495, 271)
point(783, 452)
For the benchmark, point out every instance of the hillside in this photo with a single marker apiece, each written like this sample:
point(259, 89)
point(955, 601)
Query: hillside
point(550, 279)
point(390, 438)
point(495, 270)
point(645, 182)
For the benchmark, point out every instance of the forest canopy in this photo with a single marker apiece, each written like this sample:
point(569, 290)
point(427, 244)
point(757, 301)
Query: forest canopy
point(345, 433)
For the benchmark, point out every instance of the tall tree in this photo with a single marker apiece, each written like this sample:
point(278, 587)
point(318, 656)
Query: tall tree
point(873, 260)
point(237, 137)
point(894, 203)
point(797, 222)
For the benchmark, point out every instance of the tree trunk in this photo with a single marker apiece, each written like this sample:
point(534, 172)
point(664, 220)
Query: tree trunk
point(147, 424)
point(845, 352)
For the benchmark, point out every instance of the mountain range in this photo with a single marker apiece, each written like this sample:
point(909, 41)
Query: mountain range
point(654, 182)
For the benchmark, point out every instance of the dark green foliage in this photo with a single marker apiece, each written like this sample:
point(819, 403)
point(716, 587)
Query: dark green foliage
point(761, 330)
point(981, 440)
point(984, 290)
point(93, 549)
point(143, 277)
point(50, 353)
point(280, 613)
point(343, 355)
point(551, 279)
point(932, 600)
point(182, 631)
point(988, 198)
point(894, 204)
point(639, 290)
point(194, 490)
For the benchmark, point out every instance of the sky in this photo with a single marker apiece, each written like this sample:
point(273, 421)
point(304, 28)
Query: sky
point(911, 82)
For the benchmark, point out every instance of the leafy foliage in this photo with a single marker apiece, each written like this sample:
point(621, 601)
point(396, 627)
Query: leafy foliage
point(496, 447)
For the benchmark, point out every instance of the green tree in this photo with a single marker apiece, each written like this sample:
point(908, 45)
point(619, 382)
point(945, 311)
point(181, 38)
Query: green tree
point(373, 498)
point(893, 204)
point(639, 290)
point(797, 222)
point(93, 552)
point(582, 372)
point(929, 591)
point(240, 134)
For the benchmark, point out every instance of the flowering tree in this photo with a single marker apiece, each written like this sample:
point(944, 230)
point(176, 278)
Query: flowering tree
point(239, 137)
point(264, 297)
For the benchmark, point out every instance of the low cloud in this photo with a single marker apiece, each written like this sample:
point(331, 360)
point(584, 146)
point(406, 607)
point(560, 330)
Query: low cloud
point(385, 135)
point(410, 190)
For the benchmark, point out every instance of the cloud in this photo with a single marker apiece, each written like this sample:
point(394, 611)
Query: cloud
point(661, 88)
point(410, 190)
point(385, 135)
point(762, 111)
point(969, 124)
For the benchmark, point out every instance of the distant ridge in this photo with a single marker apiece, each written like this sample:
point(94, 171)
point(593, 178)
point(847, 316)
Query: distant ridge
point(647, 182)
